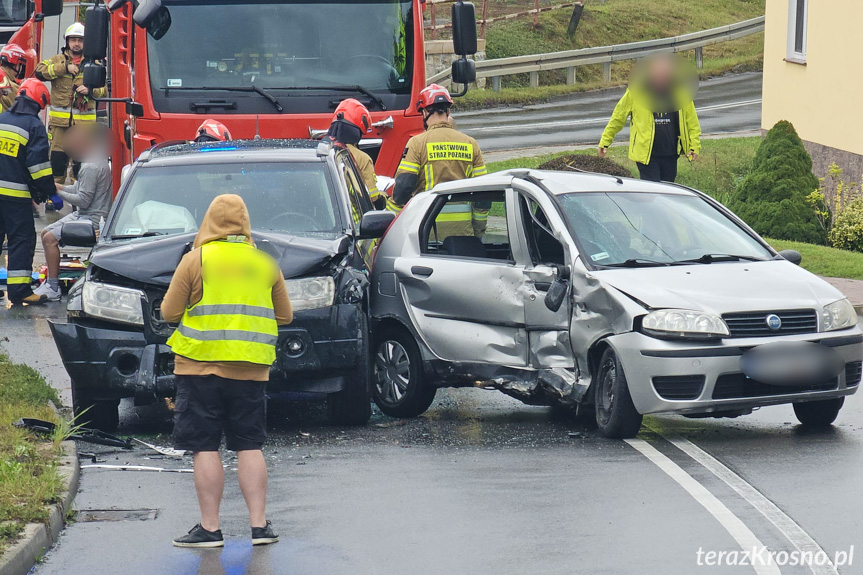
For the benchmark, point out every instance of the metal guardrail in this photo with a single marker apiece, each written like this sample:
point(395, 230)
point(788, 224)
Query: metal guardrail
point(571, 59)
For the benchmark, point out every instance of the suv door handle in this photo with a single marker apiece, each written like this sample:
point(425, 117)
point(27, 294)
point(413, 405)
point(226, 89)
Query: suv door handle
point(422, 271)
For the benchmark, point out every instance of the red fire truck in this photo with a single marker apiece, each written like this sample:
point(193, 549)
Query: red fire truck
point(274, 69)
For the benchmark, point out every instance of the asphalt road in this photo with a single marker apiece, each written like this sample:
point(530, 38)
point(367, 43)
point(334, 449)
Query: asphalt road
point(479, 484)
point(727, 104)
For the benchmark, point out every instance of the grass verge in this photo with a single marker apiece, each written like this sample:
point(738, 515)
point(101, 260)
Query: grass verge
point(825, 261)
point(29, 478)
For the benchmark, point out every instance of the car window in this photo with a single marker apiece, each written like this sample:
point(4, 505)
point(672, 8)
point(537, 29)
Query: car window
point(289, 197)
point(358, 195)
point(468, 225)
point(543, 247)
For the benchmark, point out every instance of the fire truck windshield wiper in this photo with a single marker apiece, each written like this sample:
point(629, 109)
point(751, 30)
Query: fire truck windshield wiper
point(344, 88)
point(256, 89)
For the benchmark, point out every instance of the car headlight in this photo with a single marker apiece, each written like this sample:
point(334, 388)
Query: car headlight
point(838, 315)
point(113, 303)
point(311, 293)
point(682, 323)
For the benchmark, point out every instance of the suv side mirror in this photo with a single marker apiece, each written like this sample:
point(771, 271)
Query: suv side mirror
point(80, 233)
point(375, 223)
point(52, 7)
point(464, 28)
point(96, 33)
point(792, 256)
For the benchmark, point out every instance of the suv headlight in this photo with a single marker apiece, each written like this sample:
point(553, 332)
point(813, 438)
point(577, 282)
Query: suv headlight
point(113, 303)
point(311, 293)
point(838, 315)
point(682, 323)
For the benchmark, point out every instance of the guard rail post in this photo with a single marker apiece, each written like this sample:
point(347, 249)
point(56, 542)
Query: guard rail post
point(570, 75)
point(606, 72)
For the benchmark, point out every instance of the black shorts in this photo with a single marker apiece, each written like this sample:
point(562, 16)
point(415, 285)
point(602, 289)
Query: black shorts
point(208, 405)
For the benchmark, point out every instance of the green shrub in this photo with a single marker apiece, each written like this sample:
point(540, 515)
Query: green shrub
point(772, 198)
point(847, 230)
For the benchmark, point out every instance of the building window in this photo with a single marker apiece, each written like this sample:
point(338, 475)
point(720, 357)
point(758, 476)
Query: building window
point(798, 13)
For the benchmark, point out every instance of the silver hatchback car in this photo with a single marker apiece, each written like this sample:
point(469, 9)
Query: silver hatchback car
point(614, 296)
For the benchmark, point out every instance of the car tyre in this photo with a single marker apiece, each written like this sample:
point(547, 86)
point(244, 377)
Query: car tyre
point(818, 413)
point(353, 405)
point(616, 416)
point(398, 386)
point(103, 415)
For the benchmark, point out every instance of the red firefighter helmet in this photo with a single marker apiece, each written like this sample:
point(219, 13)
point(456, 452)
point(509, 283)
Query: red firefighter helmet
point(36, 91)
point(353, 111)
point(212, 131)
point(434, 95)
point(13, 55)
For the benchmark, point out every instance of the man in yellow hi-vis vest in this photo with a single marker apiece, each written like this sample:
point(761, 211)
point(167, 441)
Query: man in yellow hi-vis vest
point(441, 154)
point(71, 100)
point(229, 299)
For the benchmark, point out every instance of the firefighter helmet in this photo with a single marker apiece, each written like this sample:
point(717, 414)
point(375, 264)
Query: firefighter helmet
point(434, 96)
point(36, 91)
point(13, 55)
point(353, 112)
point(76, 30)
point(212, 131)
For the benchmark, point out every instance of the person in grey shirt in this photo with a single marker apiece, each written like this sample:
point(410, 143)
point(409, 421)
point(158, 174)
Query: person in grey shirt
point(90, 194)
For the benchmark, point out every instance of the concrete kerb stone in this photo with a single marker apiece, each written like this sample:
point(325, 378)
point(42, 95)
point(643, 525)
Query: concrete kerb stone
point(37, 538)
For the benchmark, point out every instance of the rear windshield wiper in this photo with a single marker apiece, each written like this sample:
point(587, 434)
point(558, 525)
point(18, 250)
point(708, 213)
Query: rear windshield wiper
point(710, 258)
point(133, 236)
point(256, 89)
point(351, 88)
point(639, 263)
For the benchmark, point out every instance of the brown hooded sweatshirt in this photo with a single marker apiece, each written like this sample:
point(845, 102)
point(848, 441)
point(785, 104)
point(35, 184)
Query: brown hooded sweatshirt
point(226, 216)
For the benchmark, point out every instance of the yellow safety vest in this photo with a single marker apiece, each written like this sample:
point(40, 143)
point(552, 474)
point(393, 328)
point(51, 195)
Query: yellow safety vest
point(235, 319)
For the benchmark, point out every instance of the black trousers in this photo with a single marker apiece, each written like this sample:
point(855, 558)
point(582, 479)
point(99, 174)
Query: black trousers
point(660, 169)
point(16, 223)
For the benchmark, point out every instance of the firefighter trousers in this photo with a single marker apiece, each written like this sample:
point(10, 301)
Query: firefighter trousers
point(16, 223)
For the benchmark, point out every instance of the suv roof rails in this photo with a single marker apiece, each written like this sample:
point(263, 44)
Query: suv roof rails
point(145, 155)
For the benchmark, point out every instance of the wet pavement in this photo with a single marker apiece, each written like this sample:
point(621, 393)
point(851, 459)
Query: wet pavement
point(480, 483)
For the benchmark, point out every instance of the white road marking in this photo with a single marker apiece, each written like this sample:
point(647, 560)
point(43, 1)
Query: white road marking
point(787, 526)
point(735, 527)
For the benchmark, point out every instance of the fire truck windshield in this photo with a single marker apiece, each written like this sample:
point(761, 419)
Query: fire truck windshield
point(13, 12)
point(295, 48)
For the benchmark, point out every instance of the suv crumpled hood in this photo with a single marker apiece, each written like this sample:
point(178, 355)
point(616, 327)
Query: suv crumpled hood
point(724, 287)
point(153, 260)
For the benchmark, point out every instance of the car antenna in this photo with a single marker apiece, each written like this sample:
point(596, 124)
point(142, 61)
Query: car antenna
point(258, 127)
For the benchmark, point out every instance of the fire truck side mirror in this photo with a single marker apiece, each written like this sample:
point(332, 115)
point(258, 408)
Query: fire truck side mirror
point(52, 7)
point(96, 33)
point(135, 109)
point(463, 71)
point(152, 16)
point(95, 75)
point(464, 28)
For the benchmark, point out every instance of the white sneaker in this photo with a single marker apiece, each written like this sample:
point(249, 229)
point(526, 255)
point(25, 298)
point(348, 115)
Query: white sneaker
point(45, 290)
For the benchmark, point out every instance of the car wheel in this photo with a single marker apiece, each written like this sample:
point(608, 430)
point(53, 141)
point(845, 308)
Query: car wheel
point(616, 416)
point(353, 405)
point(102, 415)
point(818, 413)
point(399, 388)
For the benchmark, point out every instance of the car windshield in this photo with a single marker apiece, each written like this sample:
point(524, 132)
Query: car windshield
point(282, 45)
point(638, 228)
point(295, 198)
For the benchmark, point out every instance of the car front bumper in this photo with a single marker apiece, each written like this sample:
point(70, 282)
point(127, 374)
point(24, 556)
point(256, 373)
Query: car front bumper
point(702, 378)
point(111, 361)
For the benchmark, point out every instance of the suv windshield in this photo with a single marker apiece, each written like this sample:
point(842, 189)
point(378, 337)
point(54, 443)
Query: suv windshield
point(295, 198)
point(282, 45)
point(639, 228)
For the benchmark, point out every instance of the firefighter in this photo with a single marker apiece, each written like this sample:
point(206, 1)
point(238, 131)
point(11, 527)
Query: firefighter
point(26, 178)
point(13, 64)
point(350, 121)
point(72, 102)
point(441, 154)
point(212, 131)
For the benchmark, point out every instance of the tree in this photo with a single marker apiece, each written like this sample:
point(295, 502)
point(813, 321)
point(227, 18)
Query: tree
point(772, 198)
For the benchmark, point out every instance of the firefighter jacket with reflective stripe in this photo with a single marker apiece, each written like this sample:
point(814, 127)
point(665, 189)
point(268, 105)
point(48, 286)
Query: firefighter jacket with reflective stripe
point(367, 170)
point(25, 172)
point(235, 319)
point(441, 154)
point(67, 108)
point(8, 88)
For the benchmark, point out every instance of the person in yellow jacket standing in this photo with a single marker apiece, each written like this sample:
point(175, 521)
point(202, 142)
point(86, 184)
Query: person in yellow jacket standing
point(441, 154)
point(229, 299)
point(71, 100)
point(663, 121)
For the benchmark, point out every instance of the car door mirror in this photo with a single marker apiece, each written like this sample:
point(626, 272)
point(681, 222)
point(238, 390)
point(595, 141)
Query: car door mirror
point(792, 256)
point(375, 223)
point(558, 290)
point(80, 233)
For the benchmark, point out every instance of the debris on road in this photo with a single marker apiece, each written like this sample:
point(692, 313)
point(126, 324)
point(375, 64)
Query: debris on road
point(82, 434)
point(169, 451)
point(136, 468)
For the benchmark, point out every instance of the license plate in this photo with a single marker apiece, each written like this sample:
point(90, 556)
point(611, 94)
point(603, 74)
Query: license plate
point(792, 364)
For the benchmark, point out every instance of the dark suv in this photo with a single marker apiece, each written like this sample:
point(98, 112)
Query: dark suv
point(309, 209)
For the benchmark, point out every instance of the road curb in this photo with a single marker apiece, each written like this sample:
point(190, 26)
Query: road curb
point(37, 538)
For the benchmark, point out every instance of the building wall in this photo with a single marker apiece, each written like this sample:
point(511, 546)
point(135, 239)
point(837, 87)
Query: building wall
point(821, 98)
